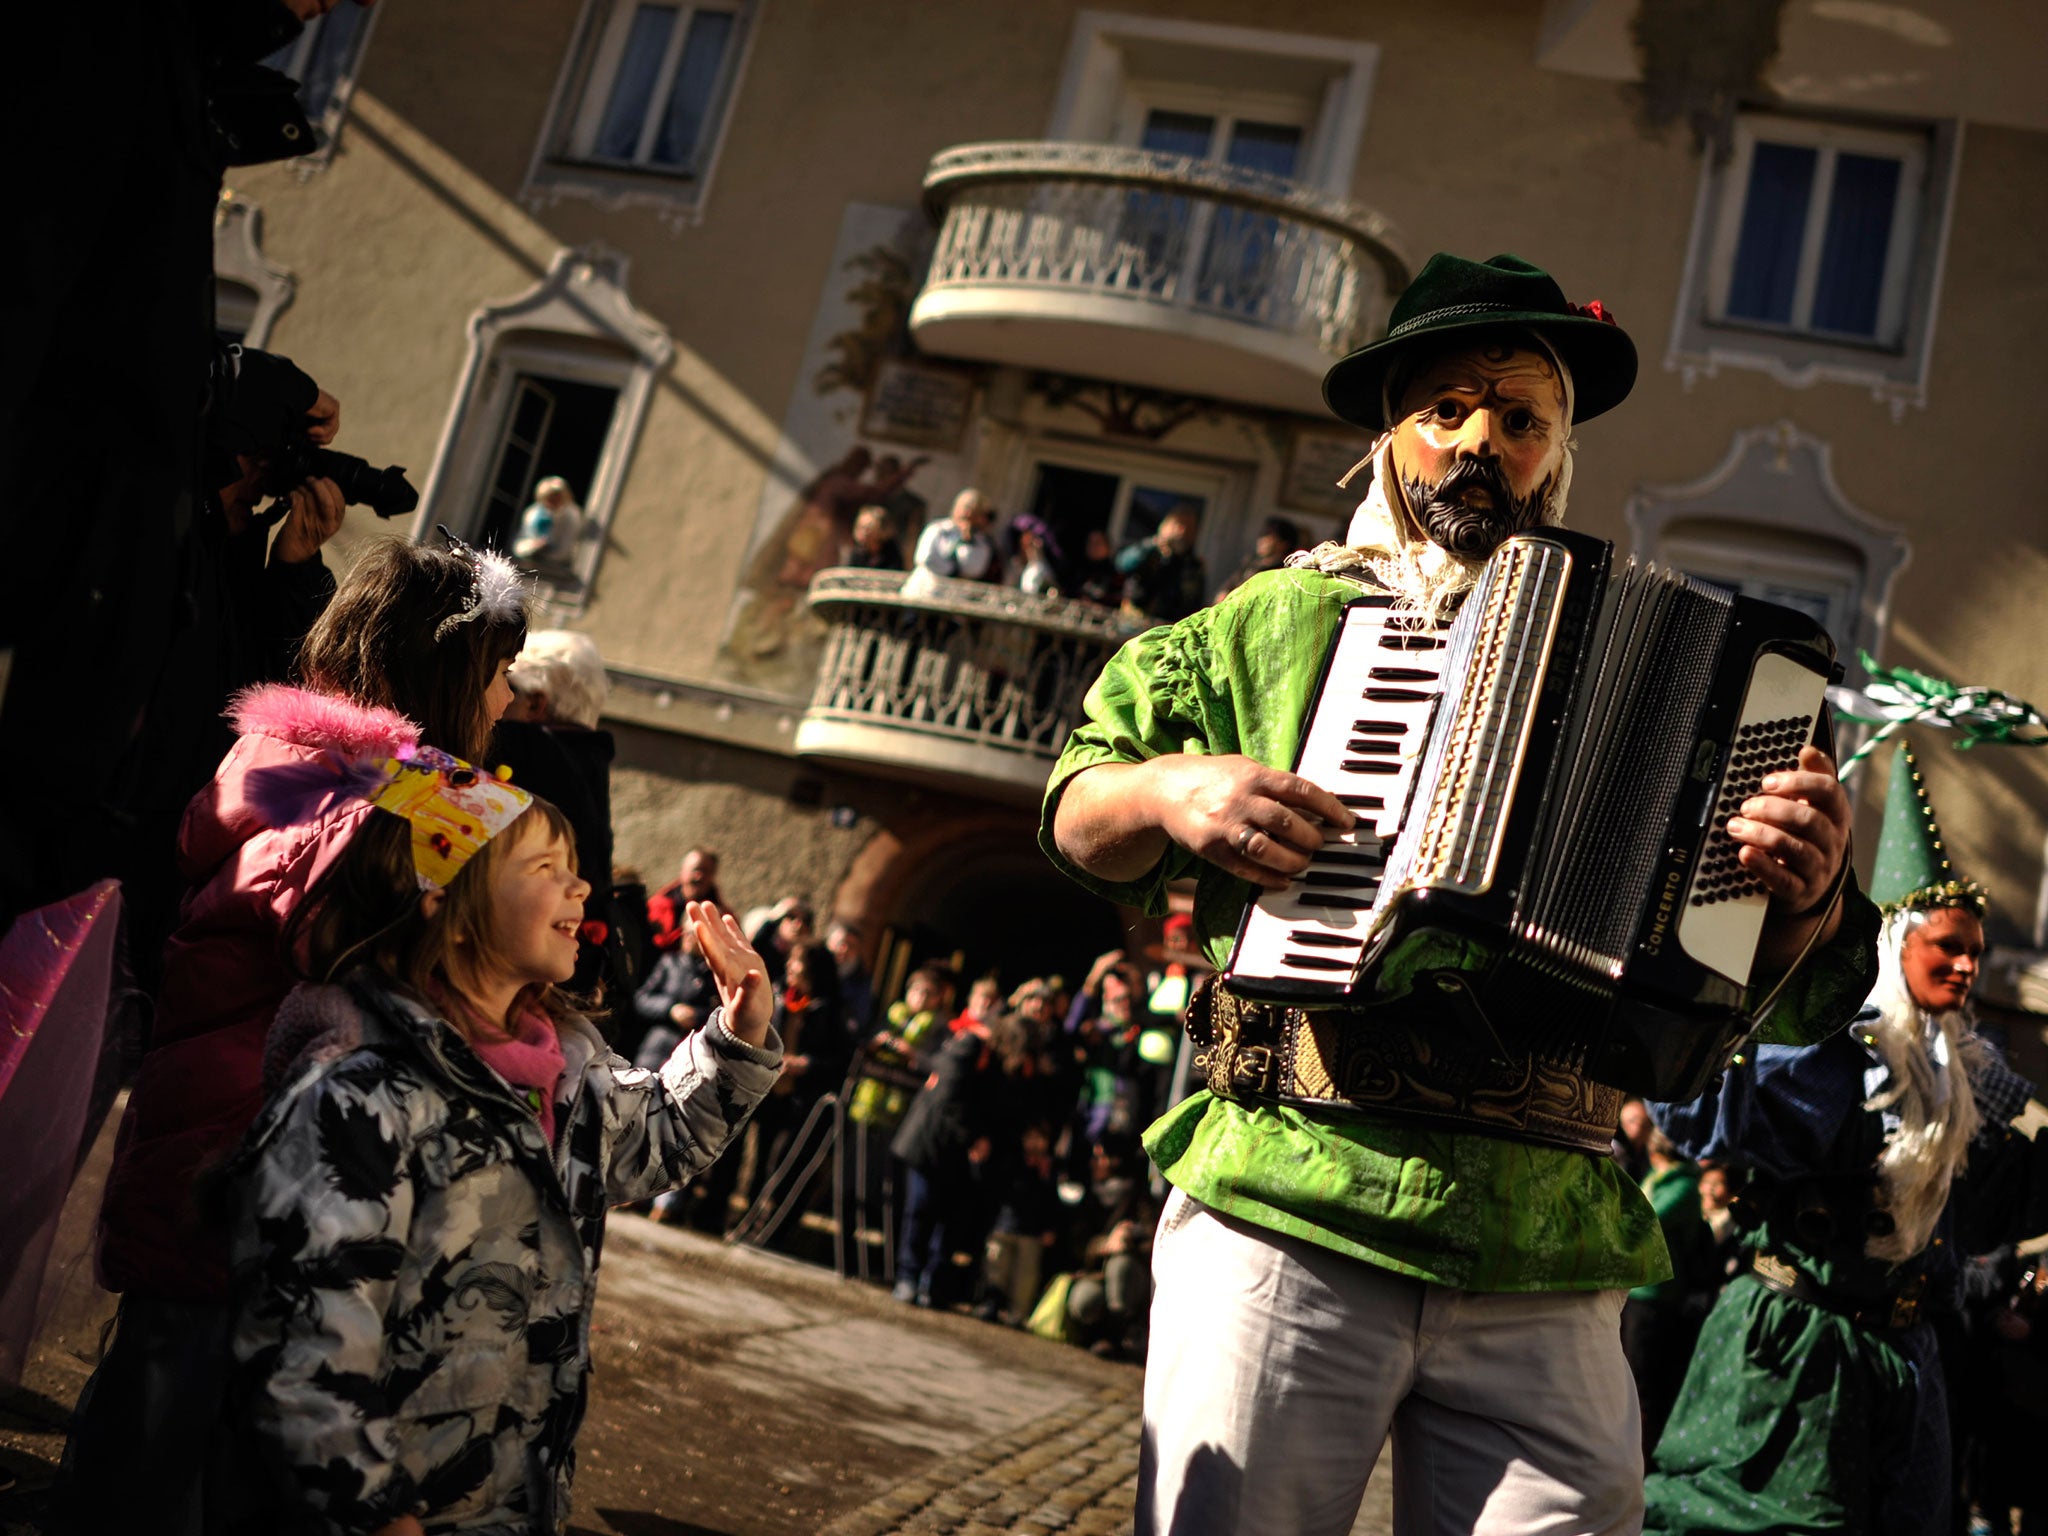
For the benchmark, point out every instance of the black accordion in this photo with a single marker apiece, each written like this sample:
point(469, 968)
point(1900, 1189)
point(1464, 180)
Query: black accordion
point(1542, 789)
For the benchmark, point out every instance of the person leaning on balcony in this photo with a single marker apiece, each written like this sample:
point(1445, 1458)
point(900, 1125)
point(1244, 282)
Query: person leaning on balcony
point(1325, 1275)
point(874, 541)
point(1035, 561)
point(1164, 579)
point(1095, 578)
point(1278, 538)
point(958, 544)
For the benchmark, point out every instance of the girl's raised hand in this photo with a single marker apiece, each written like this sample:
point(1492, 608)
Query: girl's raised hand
point(741, 976)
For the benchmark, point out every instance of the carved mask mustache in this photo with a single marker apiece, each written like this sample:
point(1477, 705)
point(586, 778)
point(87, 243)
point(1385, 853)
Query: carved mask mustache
point(1463, 527)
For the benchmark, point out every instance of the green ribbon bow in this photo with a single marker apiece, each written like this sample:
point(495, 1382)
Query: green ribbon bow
point(1899, 696)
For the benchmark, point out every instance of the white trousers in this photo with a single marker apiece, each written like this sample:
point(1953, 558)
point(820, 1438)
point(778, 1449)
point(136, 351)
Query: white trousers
point(1277, 1369)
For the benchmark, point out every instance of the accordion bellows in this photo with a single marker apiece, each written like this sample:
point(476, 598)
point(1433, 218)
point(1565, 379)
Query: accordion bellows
point(1543, 789)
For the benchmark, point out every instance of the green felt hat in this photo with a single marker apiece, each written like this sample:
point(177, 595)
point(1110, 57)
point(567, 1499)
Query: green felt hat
point(1456, 299)
point(1913, 871)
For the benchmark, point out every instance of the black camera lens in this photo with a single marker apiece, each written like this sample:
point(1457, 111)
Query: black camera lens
point(385, 491)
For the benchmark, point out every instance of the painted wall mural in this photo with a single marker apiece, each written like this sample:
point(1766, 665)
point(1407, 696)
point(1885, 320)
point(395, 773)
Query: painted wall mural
point(842, 449)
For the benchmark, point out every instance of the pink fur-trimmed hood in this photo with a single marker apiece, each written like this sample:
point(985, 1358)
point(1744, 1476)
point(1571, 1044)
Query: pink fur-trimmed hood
point(280, 726)
point(302, 718)
point(226, 969)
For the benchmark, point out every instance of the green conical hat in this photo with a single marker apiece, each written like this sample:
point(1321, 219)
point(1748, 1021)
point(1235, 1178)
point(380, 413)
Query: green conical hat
point(1913, 870)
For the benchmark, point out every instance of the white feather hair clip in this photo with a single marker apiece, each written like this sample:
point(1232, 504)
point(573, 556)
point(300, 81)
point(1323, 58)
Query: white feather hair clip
point(499, 591)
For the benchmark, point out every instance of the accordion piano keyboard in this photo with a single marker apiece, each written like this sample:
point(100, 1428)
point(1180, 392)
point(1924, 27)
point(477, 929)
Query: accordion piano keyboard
point(1364, 742)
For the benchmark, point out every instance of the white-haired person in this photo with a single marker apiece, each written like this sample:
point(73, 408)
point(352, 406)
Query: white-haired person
point(1815, 1398)
point(958, 545)
point(551, 740)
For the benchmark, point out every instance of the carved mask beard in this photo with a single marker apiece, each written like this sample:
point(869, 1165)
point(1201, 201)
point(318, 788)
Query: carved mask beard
point(1463, 527)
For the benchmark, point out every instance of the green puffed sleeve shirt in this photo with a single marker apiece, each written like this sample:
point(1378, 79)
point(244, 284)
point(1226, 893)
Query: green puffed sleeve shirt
point(1456, 1208)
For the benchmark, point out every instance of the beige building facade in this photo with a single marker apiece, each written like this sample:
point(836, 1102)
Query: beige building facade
point(734, 269)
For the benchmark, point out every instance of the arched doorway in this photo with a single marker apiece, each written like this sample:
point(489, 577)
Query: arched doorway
point(982, 890)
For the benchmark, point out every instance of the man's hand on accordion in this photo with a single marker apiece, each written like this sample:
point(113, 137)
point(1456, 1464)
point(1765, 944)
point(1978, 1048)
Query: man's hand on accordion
point(1261, 824)
point(1795, 836)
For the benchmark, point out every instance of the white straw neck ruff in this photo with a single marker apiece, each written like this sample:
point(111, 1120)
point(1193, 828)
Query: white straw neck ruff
point(1385, 540)
point(498, 593)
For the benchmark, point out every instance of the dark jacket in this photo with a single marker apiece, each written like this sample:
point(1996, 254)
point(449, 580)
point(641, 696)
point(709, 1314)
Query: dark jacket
point(888, 558)
point(963, 1099)
point(1164, 588)
point(246, 617)
point(817, 1030)
point(570, 768)
point(137, 109)
point(679, 976)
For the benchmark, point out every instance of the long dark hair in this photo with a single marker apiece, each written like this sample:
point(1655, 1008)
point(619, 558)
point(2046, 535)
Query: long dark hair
point(375, 644)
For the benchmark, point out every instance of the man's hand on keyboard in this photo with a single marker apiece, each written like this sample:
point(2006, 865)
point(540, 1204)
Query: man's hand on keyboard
point(1259, 823)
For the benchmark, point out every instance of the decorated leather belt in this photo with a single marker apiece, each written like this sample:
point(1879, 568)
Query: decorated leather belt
point(1395, 1067)
point(1883, 1314)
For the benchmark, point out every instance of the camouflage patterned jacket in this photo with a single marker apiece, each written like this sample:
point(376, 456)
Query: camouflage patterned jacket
point(415, 1268)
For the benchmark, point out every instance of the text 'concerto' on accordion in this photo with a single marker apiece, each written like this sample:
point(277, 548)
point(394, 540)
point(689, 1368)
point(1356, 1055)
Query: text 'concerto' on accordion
point(1542, 788)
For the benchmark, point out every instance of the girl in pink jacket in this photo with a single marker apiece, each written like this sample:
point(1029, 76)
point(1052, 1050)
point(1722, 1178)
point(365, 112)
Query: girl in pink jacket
point(413, 648)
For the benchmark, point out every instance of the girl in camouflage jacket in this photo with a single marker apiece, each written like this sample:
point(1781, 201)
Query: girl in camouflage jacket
point(422, 1203)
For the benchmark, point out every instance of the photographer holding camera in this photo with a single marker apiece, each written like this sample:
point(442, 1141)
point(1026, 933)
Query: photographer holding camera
point(268, 415)
point(255, 584)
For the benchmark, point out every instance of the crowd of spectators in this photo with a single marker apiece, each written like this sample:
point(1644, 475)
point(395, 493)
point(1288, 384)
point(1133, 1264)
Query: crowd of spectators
point(992, 1132)
point(1155, 579)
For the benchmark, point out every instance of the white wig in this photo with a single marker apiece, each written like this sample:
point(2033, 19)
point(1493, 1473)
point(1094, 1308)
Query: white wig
point(1930, 1058)
point(568, 668)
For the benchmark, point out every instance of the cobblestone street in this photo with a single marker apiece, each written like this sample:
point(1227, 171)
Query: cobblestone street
point(739, 1393)
point(1072, 1470)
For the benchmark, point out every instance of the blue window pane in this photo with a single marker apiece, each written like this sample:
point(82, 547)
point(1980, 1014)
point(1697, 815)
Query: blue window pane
point(1852, 252)
point(689, 103)
point(333, 57)
point(286, 60)
point(1178, 133)
point(1238, 269)
point(633, 86)
point(1268, 147)
point(1773, 229)
point(322, 56)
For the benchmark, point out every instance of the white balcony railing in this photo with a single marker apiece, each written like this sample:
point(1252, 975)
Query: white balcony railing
point(956, 682)
point(1233, 257)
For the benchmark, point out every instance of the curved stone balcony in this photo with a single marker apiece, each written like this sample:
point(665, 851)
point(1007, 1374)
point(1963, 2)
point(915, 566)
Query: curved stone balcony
point(955, 683)
point(1184, 275)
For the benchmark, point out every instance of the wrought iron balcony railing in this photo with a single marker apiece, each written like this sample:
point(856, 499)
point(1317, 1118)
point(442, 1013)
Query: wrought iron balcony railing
point(1306, 271)
point(956, 682)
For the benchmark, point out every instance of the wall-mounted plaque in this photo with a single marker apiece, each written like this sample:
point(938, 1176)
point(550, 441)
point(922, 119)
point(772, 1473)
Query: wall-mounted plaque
point(1316, 460)
point(917, 403)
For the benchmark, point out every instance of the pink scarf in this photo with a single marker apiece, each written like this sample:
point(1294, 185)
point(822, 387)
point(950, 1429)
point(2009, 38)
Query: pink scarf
point(530, 1060)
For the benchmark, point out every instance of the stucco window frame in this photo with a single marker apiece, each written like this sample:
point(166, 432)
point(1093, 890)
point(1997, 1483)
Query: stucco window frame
point(1096, 83)
point(1777, 483)
point(327, 130)
point(238, 257)
point(1702, 344)
point(556, 171)
point(577, 323)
